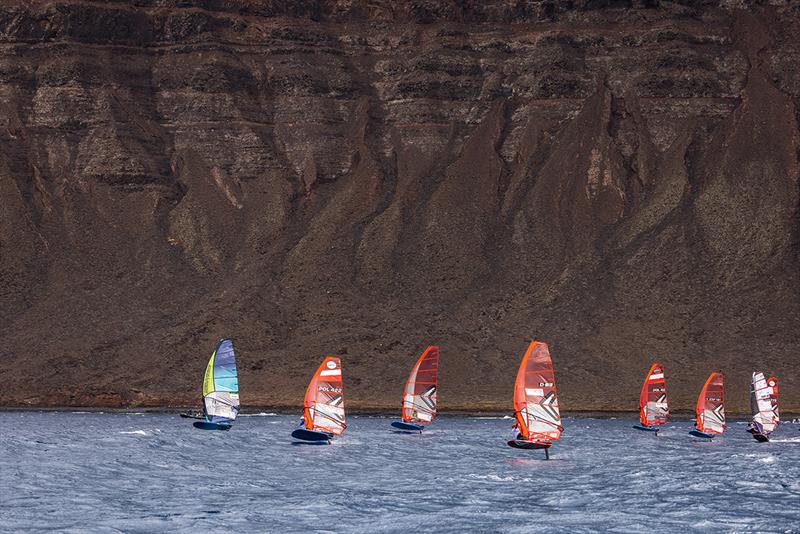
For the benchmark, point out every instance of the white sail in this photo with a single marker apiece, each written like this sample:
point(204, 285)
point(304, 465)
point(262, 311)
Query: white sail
point(222, 404)
point(764, 403)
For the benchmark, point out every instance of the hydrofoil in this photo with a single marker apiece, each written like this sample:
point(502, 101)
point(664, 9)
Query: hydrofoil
point(530, 445)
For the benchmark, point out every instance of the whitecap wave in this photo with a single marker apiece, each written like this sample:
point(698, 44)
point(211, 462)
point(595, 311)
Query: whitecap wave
point(785, 440)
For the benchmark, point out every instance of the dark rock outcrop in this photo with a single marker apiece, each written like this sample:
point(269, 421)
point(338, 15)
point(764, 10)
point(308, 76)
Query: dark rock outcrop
point(619, 179)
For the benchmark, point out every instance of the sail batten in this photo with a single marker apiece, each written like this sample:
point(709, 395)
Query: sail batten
point(535, 400)
point(420, 396)
point(221, 385)
point(324, 401)
point(653, 405)
point(710, 409)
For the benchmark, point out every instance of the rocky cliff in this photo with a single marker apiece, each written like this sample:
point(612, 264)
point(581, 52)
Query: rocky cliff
point(619, 179)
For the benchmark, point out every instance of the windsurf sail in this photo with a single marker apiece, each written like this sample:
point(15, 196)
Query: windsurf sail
point(323, 408)
point(221, 385)
point(419, 398)
point(710, 410)
point(764, 403)
point(535, 400)
point(653, 406)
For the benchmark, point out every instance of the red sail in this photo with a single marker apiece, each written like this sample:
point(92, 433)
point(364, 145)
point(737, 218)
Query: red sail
point(420, 396)
point(710, 410)
point(535, 400)
point(324, 401)
point(653, 406)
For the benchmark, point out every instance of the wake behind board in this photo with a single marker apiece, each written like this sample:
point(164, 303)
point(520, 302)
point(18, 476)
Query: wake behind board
point(408, 427)
point(311, 435)
point(647, 428)
point(205, 425)
point(696, 433)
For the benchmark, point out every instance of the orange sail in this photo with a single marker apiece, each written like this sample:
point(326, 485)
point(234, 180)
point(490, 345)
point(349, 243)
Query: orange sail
point(324, 401)
point(653, 406)
point(535, 401)
point(419, 397)
point(710, 411)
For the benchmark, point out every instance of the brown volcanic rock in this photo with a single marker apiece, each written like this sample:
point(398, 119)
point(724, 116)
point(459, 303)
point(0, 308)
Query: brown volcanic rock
point(363, 178)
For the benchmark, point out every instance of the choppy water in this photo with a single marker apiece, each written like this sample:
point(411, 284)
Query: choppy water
point(92, 472)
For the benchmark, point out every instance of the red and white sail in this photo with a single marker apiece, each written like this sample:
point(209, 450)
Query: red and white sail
point(653, 406)
point(710, 410)
point(419, 397)
point(535, 400)
point(324, 401)
point(764, 403)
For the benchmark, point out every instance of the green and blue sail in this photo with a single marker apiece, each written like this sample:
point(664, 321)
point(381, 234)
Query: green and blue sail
point(221, 385)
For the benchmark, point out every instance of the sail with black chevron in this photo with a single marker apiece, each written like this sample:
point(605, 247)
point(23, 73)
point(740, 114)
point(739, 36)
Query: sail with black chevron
point(710, 408)
point(653, 406)
point(420, 394)
point(535, 401)
point(323, 407)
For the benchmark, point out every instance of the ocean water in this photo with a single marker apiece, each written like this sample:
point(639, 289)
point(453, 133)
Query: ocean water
point(95, 472)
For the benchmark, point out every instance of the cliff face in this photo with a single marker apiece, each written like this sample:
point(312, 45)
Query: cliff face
point(363, 179)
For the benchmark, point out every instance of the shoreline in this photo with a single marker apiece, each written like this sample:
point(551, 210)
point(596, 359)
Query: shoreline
point(364, 412)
